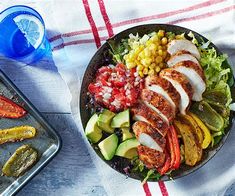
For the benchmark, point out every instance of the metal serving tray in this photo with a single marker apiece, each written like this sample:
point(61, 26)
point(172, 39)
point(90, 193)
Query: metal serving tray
point(47, 142)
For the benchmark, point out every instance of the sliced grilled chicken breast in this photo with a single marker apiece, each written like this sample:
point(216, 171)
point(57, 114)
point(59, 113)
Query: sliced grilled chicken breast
point(181, 84)
point(142, 113)
point(164, 88)
point(181, 55)
point(195, 76)
point(176, 45)
point(148, 136)
point(150, 157)
point(159, 104)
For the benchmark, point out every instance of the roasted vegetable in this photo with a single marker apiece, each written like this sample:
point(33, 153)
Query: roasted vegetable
point(16, 134)
point(21, 161)
point(162, 170)
point(176, 147)
point(205, 130)
point(9, 109)
point(173, 147)
point(190, 146)
point(218, 100)
point(196, 131)
point(208, 115)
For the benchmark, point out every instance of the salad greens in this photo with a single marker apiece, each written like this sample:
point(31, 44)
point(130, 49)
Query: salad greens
point(219, 79)
point(140, 168)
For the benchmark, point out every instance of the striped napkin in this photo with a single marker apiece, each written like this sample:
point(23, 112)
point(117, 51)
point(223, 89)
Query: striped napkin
point(76, 28)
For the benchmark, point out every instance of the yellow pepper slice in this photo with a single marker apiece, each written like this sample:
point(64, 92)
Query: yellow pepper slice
point(16, 134)
point(206, 133)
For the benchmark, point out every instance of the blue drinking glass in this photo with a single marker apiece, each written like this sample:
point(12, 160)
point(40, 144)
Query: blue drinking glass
point(22, 34)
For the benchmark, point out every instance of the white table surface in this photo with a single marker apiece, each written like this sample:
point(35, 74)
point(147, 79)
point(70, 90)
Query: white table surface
point(71, 172)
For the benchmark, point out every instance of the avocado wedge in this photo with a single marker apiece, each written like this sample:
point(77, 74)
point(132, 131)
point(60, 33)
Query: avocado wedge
point(126, 134)
point(108, 146)
point(92, 131)
point(121, 119)
point(127, 148)
point(104, 121)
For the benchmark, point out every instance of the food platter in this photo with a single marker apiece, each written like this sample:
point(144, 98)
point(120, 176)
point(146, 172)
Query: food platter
point(100, 59)
point(46, 141)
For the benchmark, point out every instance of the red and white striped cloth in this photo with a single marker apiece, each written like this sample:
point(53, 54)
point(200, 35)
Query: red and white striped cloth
point(76, 28)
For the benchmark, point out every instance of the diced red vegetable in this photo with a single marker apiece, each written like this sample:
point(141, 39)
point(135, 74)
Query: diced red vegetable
point(116, 88)
point(9, 109)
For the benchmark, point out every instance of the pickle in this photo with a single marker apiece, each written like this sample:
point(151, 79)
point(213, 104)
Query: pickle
point(21, 161)
point(16, 134)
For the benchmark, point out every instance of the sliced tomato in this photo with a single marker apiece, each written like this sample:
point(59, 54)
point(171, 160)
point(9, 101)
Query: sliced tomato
point(9, 109)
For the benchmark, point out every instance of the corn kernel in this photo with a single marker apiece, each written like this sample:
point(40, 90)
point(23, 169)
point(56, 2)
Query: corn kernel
point(141, 55)
point(161, 65)
point(147, 53)
point(148, 42)
point(161, 33)
point(160, 52)
point(154, 38)
point(141, 74)
point(153, 65)
point(130, 65)
point(164, 54)
point(140, 67)
point(145, 71)
point(151, 72)
point(158, 59)
point(164, 47)
point(152, 47)
point(144, 62)
point(159, 47)
point(157, 69)
point(164, 41)
point(148, 61)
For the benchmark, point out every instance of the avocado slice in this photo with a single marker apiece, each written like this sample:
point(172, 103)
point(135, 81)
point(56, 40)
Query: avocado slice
point(104, 121)
point(92, 131)
point(126, 134)
point(127, 148)
point(121, 119)
point(108, 146)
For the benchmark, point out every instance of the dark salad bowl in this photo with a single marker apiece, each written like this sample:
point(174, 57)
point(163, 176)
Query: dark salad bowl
point(101, 58)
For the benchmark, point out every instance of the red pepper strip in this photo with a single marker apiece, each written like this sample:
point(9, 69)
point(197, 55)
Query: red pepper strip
point(170, 147)
point(9, 109)
point(176, 146)
point(166, 165)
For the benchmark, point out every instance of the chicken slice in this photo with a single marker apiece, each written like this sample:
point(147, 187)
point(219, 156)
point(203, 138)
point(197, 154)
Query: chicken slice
point(182, 85)
point(142, 113)
point(159, 104)
point(176, 45)
point(181, 55)
point(195, 76)
point(150, 157)
point(164, 88)
point(148, 136)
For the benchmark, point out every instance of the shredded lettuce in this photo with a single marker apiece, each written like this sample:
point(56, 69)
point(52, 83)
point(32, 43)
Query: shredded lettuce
point(219, 77)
